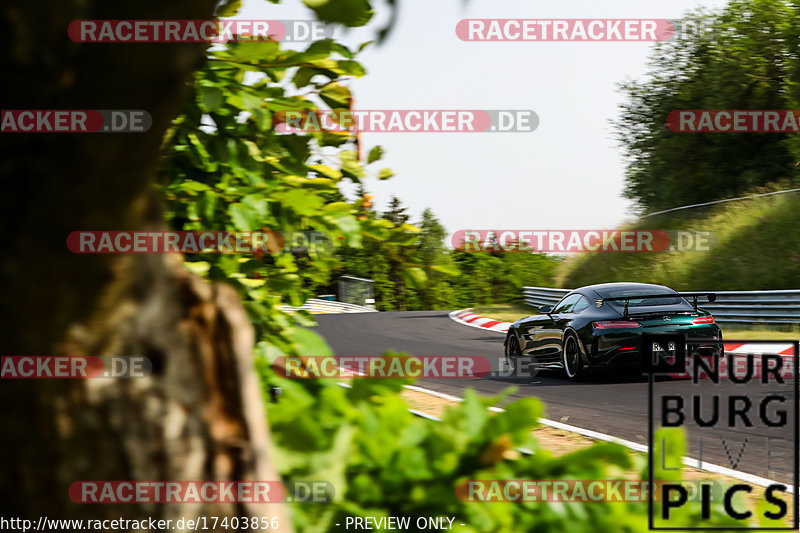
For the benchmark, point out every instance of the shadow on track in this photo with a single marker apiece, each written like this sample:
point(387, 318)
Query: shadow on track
point(555, 378)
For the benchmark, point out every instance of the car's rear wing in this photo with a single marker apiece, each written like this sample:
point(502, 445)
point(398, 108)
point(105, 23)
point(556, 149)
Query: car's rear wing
point(627, 299)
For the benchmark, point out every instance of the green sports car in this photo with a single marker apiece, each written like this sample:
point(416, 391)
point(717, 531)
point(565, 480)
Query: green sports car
point(601, 326)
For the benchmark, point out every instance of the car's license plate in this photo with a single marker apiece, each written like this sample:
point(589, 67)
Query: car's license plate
point(664, 352)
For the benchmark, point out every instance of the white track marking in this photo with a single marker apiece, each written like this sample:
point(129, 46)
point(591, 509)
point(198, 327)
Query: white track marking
point(688, 461)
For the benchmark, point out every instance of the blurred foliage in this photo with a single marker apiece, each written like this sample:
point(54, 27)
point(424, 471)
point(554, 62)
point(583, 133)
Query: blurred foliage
point(384, 461)
point(745, 58)
point(498, 277)
point(227, 168)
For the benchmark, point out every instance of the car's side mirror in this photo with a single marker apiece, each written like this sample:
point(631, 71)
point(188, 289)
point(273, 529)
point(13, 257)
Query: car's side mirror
point(545, 309)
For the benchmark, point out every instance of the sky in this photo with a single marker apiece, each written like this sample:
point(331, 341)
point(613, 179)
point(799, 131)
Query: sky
point(567, 174)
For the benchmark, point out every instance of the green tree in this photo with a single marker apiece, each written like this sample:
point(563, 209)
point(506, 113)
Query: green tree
point(431, 252)
point(748, 59)
point(498, 277)
point(397, 215)
point(379, 260)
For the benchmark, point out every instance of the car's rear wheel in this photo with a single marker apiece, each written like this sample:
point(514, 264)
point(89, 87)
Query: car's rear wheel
point(513, 353)
point(571, 358)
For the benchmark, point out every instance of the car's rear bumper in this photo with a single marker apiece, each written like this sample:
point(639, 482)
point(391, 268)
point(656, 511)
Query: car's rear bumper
point(624, 348)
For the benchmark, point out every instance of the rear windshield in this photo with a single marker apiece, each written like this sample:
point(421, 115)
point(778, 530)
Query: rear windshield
point(668, 299)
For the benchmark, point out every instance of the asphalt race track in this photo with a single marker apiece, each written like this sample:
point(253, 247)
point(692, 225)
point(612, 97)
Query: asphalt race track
point(615, 405)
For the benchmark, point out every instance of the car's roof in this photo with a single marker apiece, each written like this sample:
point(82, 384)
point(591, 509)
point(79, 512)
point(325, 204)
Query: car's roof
point(601, 288)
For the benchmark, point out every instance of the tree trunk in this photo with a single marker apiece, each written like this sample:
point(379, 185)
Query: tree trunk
point(200, 415)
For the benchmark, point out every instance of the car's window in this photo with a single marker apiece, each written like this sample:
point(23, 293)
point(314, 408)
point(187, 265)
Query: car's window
point(581, 304)
point(633, 302)
point(565, 306)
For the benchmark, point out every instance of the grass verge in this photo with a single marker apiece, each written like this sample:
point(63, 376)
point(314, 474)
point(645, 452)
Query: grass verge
point(505, 312)
point(753, 244)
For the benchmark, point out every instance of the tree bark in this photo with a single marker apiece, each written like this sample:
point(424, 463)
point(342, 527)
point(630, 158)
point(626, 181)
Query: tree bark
point(200, 414)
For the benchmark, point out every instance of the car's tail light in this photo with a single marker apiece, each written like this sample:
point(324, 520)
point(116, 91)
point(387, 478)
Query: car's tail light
point(614, 324)
point(703, 320)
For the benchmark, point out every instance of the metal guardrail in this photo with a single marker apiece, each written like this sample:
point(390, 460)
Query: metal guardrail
point(766, 307)
point(536, 296)
point(317, 306)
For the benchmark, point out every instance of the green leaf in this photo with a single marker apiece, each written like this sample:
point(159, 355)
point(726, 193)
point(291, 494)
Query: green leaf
point(228, 8)
point(192, 186)
point(253, 150)
point(349, 12)
point(304, 75)
point(350, 164)
point(251, 102)
point(450, 270)
point(337, 96)
point(318, 50)
point(210, 98)
point(339, 207)
point(244, 217)
point(198, 145)
point(342, 50)
point(257, 203)
point(326, 171)
point(309, 343)
point(348, 224)
point(351, 68)
point(374, 154)
point(300, 201)
point(385, 174)
point(257, 52)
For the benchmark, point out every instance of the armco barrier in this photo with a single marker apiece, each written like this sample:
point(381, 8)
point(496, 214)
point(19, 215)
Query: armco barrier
point(767, 307)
